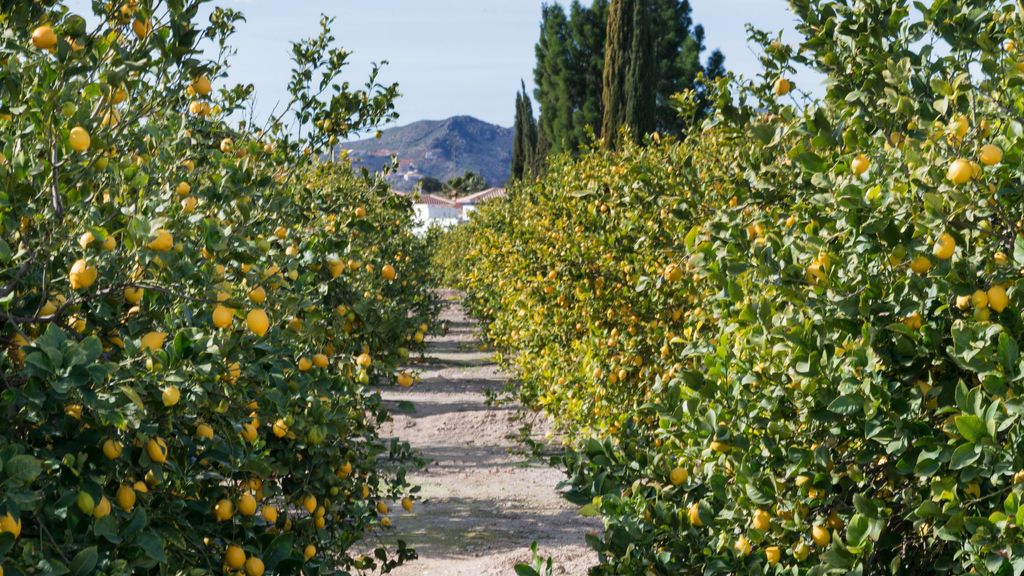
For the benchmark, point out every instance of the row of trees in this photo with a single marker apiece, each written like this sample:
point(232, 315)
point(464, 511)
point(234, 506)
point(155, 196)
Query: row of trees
point(613, 65)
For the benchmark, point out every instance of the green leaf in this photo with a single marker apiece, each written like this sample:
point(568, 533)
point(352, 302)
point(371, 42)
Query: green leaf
point(589, 511)
point(858, 530)
point(1018, 250)
point(847, 405)
point(524, 570)
point(23, 468)
point(970, 427)
point(964, 455)
point(84, 562)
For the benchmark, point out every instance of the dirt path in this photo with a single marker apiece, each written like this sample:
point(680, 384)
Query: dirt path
point(484, 502)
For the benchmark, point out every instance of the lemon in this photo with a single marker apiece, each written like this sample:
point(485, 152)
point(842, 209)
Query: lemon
point(345, 470)
point(247, 505)
point(109, 243)
point(990, 155)
point(801, 551)
point(742, 546)
point(407, 504)
point(171, 395)
point(694, 516)
point(382, 508)
point(156, 449)
point(257, 321)
point(860, 164)
point(762, 520)
point(44, 37)
point(309, 551)
point(997, 298)
point(920, 264)
point(336, 268)
point(125, 498)
point(188, 204)
point(79, 139)
point(102, 508)
point(141, 28)
point(821, 536)
point(254, 567)
point(258, 295)
point(364, 360)
point(678, 476)
point(960, 172)
point(204, 431)
point(321, 360)
point(309, 503)
point(249, 432)
point(304, 364)
point(223, 316)
point(773, 554)
point(388, 272)
point(405, 380)
point(280, 428)
point(269, 514)
point(944, 247)
point(223, 510)
point(82, 275)
point(163, 241)
point(153, 341)
point(360, 212)
point(234, 557)
point(782, 87)
point(963, 302)
point(979, 299)
point(112, 449)
point(10, 524)
point(133, 295)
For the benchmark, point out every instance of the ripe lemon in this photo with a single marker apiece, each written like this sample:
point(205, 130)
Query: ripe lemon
point(280, 428)
point(921, 264)
point(405, 380)
point(321, 360)
point(79, 139)
point(258, 295)
point(773, 554)
point(247, 505)
point(360, 212)
point(204, 431)
point(997, 298)
point(162, 242)
point(269, 514)
point(44, 37)
point(183, 188)
point(336, 268)
point(112, 449)
point(678, 475)
point(720, 447)
point(257, 321)
point(141, 28)
point(223, 510)
point(82, 275)
point(153, 341)
point(109, 243)
point(254, 567)
point(963, 302)
point(102, 508)
point(345, 471)
point(309, 503)
point(249, 432)
point(234, 557)
point(188, 204)
point(782, 87)
point(382, 508)
point(171, 395)
point(407, 504)
point(762, 520)
point(388, 272)
point(991, 155)
point(960, 172)
point(223, 316)
point(304, 364)
point(10, 524)
point(944, 247)
point(694, 516)
point(979, 299)
point(125, 498)
point(203, 87)
point(156, 449)
point(860, 164)
point(309, 551)
point(364, 360)
point(133, 295)
point(742, 546)
point(821, 536)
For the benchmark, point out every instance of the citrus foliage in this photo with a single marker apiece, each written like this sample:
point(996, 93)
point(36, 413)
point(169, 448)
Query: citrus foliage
point(789, 344)
point(191, 309)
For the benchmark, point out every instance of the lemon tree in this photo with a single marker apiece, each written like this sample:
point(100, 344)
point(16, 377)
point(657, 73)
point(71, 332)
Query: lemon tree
point(789, 343)
point(191, 305)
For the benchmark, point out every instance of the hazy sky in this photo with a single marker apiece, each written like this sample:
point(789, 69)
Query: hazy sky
point(449, 56)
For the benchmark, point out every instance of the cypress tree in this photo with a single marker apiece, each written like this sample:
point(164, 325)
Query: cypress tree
point(552, 76)
point(525, 141)
point(629, 77)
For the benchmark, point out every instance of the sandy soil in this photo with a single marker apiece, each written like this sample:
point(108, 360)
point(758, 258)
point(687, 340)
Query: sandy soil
point(484, 501)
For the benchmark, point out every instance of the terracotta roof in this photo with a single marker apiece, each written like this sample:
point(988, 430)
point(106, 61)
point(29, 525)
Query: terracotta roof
point(431, 200)
point(483, 196)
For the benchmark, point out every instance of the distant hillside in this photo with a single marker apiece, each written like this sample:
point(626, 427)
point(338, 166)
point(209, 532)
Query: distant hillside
point(442, 149)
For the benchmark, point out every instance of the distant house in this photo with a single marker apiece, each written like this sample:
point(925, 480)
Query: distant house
point(432, 210)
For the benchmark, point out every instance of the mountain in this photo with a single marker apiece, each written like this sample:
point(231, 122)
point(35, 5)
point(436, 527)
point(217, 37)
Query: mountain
point(442, 149)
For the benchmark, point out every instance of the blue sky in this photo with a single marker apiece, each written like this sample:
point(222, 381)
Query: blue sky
point(449, 56)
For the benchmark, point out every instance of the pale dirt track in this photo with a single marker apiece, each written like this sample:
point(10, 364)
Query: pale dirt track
point(484, 501)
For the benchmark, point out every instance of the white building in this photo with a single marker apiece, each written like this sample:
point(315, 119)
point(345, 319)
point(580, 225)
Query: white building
point(442, 212)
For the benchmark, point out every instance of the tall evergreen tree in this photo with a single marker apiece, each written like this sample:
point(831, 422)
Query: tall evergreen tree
point(524, 147)
point(552, 75)
point(630, 74)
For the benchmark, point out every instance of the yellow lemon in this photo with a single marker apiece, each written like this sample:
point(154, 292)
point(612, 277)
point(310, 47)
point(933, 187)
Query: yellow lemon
point(249, 432)
point(920, 264)
point(388, 272)
point(82, 275)
point(79, 139)
point(990, 155)
point(405, 380)
point(694, 516)
point(321, 360)
point(112, 449)
point(125, 498)
point(742, 546)
point(234, 557)
point(269, 514)
point(309, 551)
point(153, 341)
point(10, 524)
point(979, 299)
point(171, 395)
point(782, 87)
point(254, 567)
point(133, 295)
point(960, 172)
point(156, 449)
point(309, 503)
point(204, 431)
point(997, 298)
point(280, 428)
point(944, 247)
point(102, 508)
point(821, 536)
point(382, 508)
point(247, 505)
point(773, 554)
point(223, 316)
point(258, 295)
point(360, 212)
point(202, 86)
point(223, 510)
point(163, 241)
point(860, 164)
point(364, 360)
point(762, 520)
point(257, 321)
point(678, 475)
point(304, 364)
point(407, 504)
point(44, 37)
